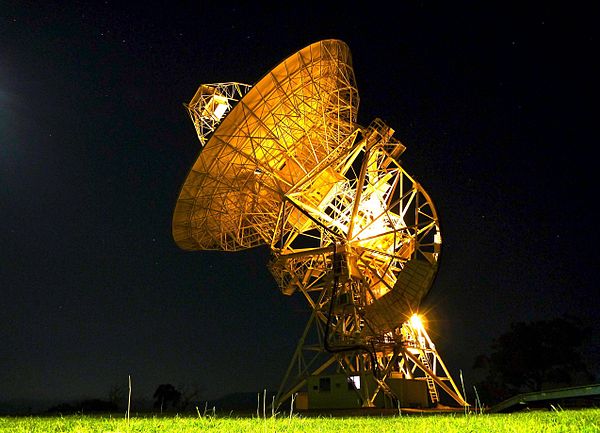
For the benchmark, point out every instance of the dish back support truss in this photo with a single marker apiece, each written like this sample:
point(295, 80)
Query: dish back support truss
point(376, 245)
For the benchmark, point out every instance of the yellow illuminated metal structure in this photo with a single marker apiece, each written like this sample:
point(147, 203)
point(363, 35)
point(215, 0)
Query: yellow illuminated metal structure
point(285, 164)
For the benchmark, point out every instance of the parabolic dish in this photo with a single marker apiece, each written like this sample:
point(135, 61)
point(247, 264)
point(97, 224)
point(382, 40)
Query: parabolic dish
point(281, 129)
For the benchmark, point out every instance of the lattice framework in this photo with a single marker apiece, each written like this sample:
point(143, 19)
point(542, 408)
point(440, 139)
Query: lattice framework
point(285, 164)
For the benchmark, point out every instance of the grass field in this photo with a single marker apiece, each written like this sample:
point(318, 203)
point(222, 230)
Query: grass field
point(585, 420)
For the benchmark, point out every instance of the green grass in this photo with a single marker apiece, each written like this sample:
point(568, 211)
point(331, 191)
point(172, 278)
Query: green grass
point(585, 420)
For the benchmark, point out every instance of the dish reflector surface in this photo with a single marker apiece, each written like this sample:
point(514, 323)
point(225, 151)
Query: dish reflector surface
point(271, 139)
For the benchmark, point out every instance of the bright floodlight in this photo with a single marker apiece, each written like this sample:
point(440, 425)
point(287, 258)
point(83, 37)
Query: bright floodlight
point(416, 322)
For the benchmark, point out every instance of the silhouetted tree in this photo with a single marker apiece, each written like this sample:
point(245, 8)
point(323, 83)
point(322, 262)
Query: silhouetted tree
point(166, 395)
point(532, 356)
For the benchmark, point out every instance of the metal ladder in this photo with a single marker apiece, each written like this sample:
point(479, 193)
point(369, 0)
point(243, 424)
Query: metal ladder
point(433, 393)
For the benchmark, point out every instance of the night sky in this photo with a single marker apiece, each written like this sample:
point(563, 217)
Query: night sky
point(493, 102)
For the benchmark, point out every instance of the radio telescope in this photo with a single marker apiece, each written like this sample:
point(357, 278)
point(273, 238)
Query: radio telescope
point(285, 164)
